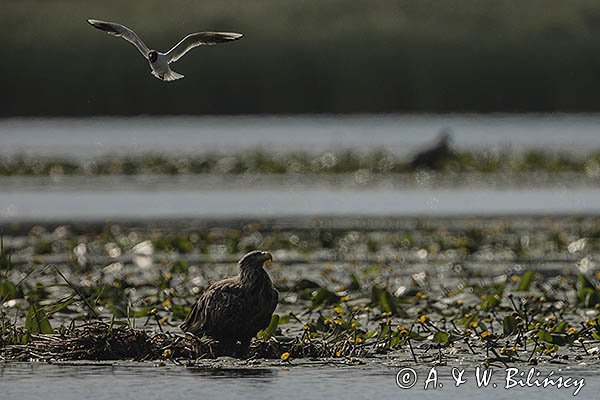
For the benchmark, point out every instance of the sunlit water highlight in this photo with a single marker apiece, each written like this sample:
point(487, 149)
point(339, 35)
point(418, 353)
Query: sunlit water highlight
point(401, 134)
point(94, 205)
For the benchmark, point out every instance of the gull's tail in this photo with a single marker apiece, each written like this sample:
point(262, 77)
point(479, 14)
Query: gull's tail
point(168, 76)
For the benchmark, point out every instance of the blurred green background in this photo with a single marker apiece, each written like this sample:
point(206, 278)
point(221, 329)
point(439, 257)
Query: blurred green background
point(311, 56)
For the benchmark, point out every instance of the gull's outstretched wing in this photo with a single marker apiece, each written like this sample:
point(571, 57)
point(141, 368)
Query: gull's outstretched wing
point(121, 31)
point(199, 39)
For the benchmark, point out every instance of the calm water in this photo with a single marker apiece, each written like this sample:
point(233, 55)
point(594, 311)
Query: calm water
point(398, 133)
point(99, 197)
point(39, 381)
point(261, 202)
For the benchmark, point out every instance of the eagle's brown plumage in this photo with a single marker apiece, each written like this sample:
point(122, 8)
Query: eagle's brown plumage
point(236, 308)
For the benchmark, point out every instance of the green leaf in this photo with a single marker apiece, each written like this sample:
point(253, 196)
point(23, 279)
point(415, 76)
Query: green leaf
point(415, 336)
point(545, 336)
point(354, 283)
point(37, 321)
point(560, 339)
point(482, 326)
point(304, 284)
point(493, 299)
point(284, 319)
point(584, 282)
point(324, 297)
point(509, 325)
point(441, 337)
point(383, 299)
point(490, 301)
point(120, 323)
point(140, 312)
point(5, 263)
point(588, 297)
point(525, 282)
point(561, 327)
point(270, 330)
point(372, 333)
point(59, 305)
point(181, 267)
point(395, 341)
point(466, 321)
point(179, 311)
point(8, 290)
point(385, 330)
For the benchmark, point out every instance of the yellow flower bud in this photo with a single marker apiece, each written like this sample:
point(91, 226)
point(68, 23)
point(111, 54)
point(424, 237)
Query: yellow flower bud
point(402, 330)
point(167, 303)
point(485, 334)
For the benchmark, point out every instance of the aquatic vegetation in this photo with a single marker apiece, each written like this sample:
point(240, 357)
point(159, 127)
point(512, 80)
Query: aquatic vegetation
point(257, 161)
point(427, 291)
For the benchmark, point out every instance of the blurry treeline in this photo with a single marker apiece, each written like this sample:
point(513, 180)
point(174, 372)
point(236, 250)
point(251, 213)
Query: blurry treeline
point(308, 56)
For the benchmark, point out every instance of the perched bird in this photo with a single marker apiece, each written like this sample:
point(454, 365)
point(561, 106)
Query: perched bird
point(235, 309)
point(159, 62)
point(435, 156)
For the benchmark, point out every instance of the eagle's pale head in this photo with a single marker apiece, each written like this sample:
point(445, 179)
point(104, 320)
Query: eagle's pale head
point(255, 260)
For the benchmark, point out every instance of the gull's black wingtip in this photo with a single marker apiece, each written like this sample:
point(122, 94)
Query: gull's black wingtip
point(96, 24)
point(108, 27)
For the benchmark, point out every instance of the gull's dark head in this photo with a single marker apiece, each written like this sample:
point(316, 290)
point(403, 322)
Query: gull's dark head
point(152, 55)
point(255, 260)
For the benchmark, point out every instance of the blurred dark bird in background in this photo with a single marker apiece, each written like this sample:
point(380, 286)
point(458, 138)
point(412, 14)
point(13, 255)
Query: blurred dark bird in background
point(235, 309)
point(436, 155)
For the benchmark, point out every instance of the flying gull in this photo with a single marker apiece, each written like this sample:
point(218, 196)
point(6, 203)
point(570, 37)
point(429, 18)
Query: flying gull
point(159, 62)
